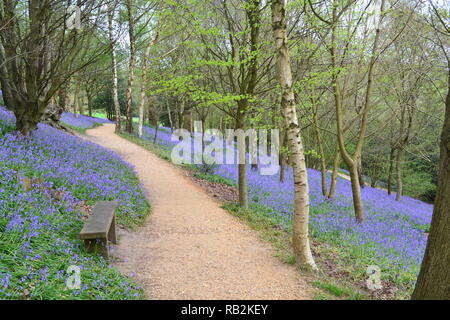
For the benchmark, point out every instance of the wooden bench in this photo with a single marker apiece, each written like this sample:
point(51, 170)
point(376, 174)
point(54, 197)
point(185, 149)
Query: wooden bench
point(100, 228)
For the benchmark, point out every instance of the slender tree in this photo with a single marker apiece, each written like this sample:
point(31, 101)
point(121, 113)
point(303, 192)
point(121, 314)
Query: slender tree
point(144, 66)
point(131, 65)
point(301, 244)
point(114, 89)
point(352, 161)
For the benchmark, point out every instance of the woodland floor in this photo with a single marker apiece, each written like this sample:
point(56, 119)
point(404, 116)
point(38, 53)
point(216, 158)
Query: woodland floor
point(189, 247)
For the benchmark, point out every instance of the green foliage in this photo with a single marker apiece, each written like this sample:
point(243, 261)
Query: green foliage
point(330, 288)
point(418, 184)
point(338, 291)
point(103, 100)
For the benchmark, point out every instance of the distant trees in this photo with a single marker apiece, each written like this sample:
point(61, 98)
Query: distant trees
point(103, 100)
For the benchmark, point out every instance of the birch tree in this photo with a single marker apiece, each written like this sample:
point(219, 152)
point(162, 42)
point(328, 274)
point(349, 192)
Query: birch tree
point(112, 43)
point(300, 239)
point(131, 64)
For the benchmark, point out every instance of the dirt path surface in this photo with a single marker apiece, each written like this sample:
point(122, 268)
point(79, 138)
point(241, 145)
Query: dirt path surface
point(190, 248)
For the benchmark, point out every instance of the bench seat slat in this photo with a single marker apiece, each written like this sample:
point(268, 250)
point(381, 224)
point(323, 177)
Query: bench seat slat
point(99, 222)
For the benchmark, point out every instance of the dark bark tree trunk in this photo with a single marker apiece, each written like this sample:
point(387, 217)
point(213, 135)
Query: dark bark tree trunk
point(398, 167)
point(156, 133)
point(283, 155)
point(434, 277)
point(76, 100)
point(248, 85)
point(356, 192)
point(391, 168)
point(89, 105)
point(27, 117)
point(360, 174)
point(63, 97)
point(242, 167)
point(323, 165)
point(334, 174)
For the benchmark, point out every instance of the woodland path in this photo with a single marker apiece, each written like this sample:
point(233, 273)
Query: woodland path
point(189, 247)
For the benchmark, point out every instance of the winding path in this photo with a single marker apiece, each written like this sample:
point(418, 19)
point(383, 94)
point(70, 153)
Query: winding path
point(190, 248)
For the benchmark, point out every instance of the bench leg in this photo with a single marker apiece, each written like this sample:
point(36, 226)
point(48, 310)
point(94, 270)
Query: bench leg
point(97, 246)
point(112, 235)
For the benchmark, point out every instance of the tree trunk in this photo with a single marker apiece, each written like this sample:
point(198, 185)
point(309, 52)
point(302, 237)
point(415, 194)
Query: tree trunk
point(144, 82)
point(398, 167)
point(247, 83)
point(156, 133)
point(76, 101)
point(356, 192)
point(169, 114)
point(434, 277)
point(63, 96)
point(323, 165)
point(203, 120)
point(360, 174)
point(242, 167)
point(334, 174)
point(80, 104)
point(187, 119)
point(283, 156)
point(282, 168)
point(352, 160)
point(302, 250)
point(115, 94)
point(391, 168)
point(26, 120)
point(129, 94)
point(89, 105)
point(254, 158)
point(141, 108)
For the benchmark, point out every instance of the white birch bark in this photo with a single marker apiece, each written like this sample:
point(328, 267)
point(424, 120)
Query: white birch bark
point(115, 94)
point(300, 239)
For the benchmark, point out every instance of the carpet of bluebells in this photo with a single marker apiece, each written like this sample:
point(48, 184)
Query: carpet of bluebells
point(393, 235)
point(81, 122)
point(39, 231)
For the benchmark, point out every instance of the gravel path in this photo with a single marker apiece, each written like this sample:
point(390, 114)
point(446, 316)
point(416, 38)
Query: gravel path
point(190, 248)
